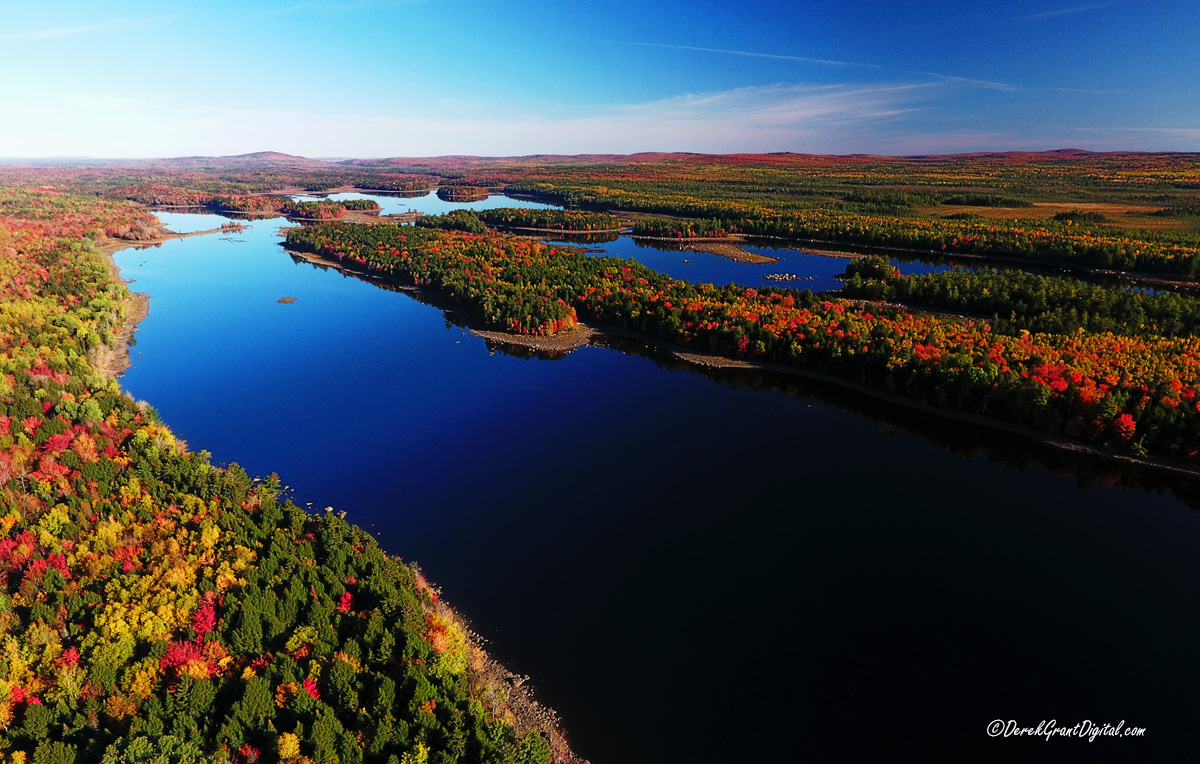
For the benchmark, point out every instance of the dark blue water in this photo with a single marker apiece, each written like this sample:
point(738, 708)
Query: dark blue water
point(696, 568)
point(816, 272)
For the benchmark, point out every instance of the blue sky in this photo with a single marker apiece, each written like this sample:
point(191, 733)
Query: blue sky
point(368, 78)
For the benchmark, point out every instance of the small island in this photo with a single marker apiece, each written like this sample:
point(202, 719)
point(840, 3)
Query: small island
point(462, 193)
point(141, 576)
point(329, 210)
point(402, 184)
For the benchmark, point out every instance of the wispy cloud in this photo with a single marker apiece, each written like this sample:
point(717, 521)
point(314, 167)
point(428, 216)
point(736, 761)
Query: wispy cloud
point(1190, 133)
point(1047, 15)
point(958, 141)
point(973, 82)
point(771, 118)
point(988, 17)
point(900, 117)
point(747, 53)
point(1186, 133)
point(104, 26)
point(826, 118)
point(821, 62)
point(1010, 88)
point(1086, 91)
point(786, 106)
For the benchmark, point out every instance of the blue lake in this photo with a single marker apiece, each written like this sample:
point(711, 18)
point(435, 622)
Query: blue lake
point(695, 567)
point(190, 222)
point(817, 272)
point(430, 204)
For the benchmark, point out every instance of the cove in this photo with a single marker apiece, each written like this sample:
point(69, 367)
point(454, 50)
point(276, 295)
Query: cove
point(693, 567)
point(817, 273)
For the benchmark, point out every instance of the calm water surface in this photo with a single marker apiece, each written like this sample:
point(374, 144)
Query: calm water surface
point(694, 568)
point(816, 272)
point(430, 204)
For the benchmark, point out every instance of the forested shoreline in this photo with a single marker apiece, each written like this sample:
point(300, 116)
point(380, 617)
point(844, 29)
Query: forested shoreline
point(1132, 394)
point(154, 605)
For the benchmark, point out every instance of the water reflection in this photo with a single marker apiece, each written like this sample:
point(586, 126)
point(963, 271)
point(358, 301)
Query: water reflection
point(572, 238)
point(398, 194)
point(694, 565)
point(191, 221)
point(816, 272)
point(1014, 451)
point(430, 204)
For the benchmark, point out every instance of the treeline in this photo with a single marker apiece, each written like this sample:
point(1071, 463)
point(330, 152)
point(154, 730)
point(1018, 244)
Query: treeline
point(1080, 217)
point(561, 220)
point(406, 183)
point(247, 203)
point(892, 200)
point(983, 200)
point(777, 181)
point(328, 210)
point(517, 288)
point(864, 201)
point(466, 221)
point(1014, 301)
point(1187, 209)
point(318, 210)
point(1037, 241)
point(677, 228)
point(1135, 393)
point(888, 199)
point(164, 196)
point(369, 206)
point(462, 193)
point(156, 608)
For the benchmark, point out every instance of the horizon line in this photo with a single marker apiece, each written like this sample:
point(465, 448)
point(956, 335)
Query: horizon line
point(283, 155)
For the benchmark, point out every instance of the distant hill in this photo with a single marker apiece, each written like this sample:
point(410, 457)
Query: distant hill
point(774, 159)
point(256, 160)
point(260, 160)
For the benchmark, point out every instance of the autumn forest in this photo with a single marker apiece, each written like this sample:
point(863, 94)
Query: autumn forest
point(155, 606)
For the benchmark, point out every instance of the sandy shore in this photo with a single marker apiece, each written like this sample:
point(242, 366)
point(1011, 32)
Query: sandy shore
point(830, 253)
point(112, 246)
point(731, 251)
point(684, 240)
point(564, 342)
point(729, 247)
